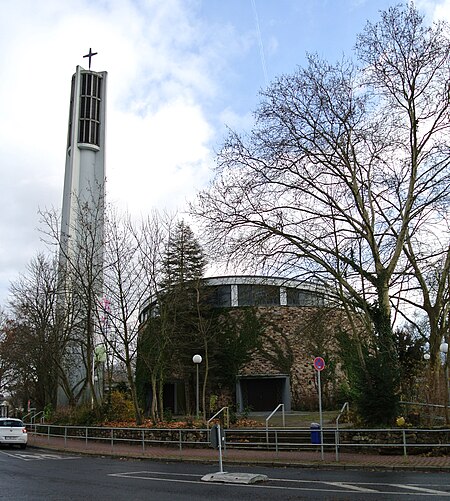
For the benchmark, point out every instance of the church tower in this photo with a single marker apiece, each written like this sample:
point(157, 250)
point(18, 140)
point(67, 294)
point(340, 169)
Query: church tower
point(82, 227)
point(85, 155)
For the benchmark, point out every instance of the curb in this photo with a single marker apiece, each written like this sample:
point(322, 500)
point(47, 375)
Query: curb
point(254, 461)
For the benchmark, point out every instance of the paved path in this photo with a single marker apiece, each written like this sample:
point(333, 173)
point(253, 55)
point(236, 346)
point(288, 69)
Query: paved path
point(306, 459)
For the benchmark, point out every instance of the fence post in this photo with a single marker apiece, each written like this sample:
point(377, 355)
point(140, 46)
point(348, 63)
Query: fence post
point(404, 443)
point(276, 442)
point(179, 440)
point(336, 442)
point(65, 437)
point(143, 440)
point(112, 439)
point(86, 436)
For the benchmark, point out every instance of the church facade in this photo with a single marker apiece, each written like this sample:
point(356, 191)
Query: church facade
point(297, 324)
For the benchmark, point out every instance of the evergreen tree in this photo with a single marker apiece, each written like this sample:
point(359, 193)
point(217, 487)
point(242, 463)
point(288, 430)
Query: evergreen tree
point(177, 332)
point(185, 262)
point(184, 265)
point(180, 311)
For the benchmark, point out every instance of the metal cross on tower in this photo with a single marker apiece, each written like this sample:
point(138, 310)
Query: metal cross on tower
point(90, 55)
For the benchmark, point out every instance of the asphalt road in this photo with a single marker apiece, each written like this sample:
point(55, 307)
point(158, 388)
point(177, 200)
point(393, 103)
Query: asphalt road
point(37, 474)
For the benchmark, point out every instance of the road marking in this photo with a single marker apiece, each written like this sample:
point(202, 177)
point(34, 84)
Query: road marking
point(421, 489)
point(37, 456)
point(145, 472)
point(346, 485)
point(355, 486)
point(342, 488)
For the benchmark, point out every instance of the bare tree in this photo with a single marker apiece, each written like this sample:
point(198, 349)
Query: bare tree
point(15, 377)
point(80, 283)
point(34, 307)
point(156, 342)
point(426, 288)
point(125, 288)
point(337, 174)
point(407, 66)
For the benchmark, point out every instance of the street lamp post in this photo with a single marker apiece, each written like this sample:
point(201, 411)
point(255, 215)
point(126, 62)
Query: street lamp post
point(443, 348)
point(427, 357)
point(197, 359)
point(98, 355)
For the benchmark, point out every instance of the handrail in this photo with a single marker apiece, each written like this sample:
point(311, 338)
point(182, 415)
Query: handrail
point(341, 412)
point(274, 411)
point(270, 416)
point(29, 414)
point(337, 427)
point(34, 416)
point(420, 404)
point(227, 422)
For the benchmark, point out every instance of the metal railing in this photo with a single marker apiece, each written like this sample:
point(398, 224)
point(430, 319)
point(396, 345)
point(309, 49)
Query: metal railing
point(391, 439)
point(402, 441)
point(144, 437)
point(34, 416)
point(226, 412)
point(434, 414)
point(32, 411)
point(270, 416)
point(345, 406)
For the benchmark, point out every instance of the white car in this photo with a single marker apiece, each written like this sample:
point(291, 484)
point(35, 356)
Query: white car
point(13, 432)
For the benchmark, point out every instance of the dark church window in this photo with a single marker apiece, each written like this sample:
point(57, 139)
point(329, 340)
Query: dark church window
point(90, 109)
point(299, 297)
point(258, 295)
point(219, 295)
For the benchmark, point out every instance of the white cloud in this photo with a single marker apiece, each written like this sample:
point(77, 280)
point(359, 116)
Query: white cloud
point(435, 9)
point(178, 70)
point(237, 122)
point(159, 159)
point(163, 67)
point(442, 11)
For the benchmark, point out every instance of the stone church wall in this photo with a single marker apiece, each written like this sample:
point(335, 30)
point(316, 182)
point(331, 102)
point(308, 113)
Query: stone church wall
point(293, 337)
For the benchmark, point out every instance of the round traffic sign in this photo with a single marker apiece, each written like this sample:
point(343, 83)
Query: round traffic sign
point(319, 364)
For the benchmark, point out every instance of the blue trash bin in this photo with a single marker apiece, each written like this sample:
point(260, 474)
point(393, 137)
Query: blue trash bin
point(315, 433)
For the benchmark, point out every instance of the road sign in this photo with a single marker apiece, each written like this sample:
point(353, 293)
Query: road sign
point(319, 364)
point(216, 436)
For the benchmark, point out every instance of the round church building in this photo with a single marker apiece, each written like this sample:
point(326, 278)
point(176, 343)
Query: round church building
point(264, 334)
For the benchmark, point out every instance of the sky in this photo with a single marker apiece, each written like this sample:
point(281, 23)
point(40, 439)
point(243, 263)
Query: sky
point(180, 73)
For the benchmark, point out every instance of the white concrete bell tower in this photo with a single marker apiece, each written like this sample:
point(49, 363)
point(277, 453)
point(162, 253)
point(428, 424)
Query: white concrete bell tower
point(82, 223)
point(84, 180)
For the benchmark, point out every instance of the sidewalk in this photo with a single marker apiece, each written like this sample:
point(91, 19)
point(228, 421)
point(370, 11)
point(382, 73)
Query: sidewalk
point(301, 459)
